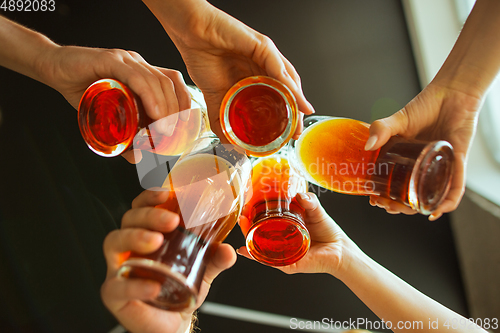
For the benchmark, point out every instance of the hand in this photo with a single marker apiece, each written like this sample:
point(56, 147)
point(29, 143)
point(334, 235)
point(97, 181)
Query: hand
point(328, 241)
point(141, 232)
point(163, 92)
point(71, 69)
point(439, 112)
point(219, 50)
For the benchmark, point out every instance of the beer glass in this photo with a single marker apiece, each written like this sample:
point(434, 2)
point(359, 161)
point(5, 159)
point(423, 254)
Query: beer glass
point(112, 121)
point(330, 153)
point(259, 114)
point(206, 188)
point(272, 220)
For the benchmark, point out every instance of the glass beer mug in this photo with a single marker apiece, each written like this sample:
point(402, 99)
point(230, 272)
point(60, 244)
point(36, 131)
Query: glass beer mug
point(112, 121)
point(259, 114)
point(206, 189)
point(330, 153)
point(272, 220)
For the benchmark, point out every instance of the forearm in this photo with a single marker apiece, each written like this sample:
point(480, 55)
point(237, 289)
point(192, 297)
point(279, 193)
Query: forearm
point(178, 17)
point(474, 62)
point(395, 301)
point(23, 50)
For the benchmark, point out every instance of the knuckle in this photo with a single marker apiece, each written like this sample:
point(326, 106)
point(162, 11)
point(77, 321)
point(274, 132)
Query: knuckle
point(135, 55)
point(166, 82)
point(266, 42)
point(115, 54)
point(175, 74)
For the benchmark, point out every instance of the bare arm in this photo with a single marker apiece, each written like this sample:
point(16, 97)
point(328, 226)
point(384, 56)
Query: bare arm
point(71, 69)
point(388, 296)
point(22, 49)
point(448, 108)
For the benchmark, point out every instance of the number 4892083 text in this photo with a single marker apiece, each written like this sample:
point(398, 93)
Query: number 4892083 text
point(28, 5)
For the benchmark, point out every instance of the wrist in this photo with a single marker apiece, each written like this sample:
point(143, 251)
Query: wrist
point(474, 61)
point(23, 49)
point(44, 64)
point(353, 262)
point(180, 18)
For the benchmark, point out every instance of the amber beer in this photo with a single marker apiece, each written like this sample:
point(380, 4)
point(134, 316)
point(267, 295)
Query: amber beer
point(274, 221)
point(204, 190)
point(112, 120)
point(331, 154)
point(259, 114)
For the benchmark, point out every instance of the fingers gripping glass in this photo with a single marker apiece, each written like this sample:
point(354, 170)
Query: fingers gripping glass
point(206, 188)
point(330, 153)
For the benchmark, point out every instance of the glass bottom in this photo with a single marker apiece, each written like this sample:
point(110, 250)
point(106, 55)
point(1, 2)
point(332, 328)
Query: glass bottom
point(278, 240)
point(431, 177)
point(176, 293)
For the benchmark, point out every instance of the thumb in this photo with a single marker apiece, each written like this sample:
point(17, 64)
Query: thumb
point(381, 130)
point(223, 258)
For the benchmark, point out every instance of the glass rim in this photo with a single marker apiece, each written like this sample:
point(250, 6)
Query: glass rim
point(291, 108)
point(291, 219)
point(95, 145)
point(167, 270)
point(415, 186)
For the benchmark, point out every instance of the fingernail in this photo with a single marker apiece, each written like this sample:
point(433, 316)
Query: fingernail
point(166, 125)
point(304, 196)
point(170, 129)
point(157, 111)
point(184, 114)
point(372, 140)
point(312, 108)
point(434, 217)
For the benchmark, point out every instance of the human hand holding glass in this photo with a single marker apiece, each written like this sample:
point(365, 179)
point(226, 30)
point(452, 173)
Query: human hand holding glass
point(219, 50)
point(142, 232)
point(388, 296)
point(113, 122)
point(206, 189)
point(448, 107)
point(327, 240)
point(416, 174)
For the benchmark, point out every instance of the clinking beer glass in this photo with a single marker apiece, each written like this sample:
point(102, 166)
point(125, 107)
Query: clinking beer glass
point(206, 188)
point(272, 220)
point(330, 153)
point(112, 121)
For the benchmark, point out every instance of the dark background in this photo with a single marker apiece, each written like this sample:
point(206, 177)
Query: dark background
point(58, 200)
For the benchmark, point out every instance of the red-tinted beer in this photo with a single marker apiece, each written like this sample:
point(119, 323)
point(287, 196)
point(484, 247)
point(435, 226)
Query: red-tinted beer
point(274, 221)
point(259, 114)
